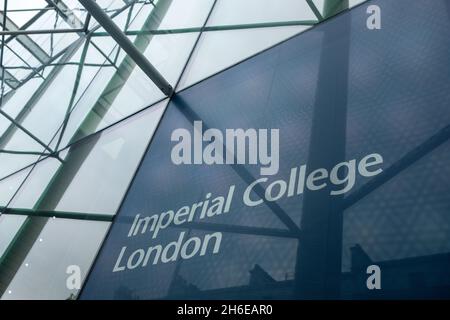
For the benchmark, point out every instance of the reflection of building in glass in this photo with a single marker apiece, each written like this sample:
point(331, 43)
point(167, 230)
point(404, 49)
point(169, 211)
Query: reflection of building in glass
point(424, 277)
point(409, 278)
point(87, 111)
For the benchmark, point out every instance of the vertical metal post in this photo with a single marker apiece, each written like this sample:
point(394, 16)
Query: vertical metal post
point(318, 269)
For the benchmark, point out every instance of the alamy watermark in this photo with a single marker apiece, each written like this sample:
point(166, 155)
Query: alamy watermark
point(235, 146)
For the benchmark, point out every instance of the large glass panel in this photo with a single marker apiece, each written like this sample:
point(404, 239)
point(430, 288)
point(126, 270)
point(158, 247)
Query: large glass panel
point(92, 175)
point(259, 244)
point(362, 174)
point(64, 245)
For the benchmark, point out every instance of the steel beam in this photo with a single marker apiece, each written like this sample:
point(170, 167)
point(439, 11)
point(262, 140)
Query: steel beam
point(318, 267)
point(315, 10)
point(20, 32)
point(122, 40)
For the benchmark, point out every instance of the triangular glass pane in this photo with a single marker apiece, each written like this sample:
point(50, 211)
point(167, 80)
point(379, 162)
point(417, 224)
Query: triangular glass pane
point(232, 12)
point(218, 50)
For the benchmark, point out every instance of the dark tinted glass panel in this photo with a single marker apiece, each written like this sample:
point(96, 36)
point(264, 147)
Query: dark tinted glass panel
point(376, 100)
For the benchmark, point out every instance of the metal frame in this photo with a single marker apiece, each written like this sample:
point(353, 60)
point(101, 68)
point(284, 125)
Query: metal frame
point(123, 41)
point(81, 28)
point(37, 216)
point(126, 44)
point(119, 36)
point(84, 30)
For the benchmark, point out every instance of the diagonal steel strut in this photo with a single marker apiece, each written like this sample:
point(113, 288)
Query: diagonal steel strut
point(122, 40)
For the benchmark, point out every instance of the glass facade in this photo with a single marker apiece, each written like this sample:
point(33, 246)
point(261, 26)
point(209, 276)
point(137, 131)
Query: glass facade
point(87, 181)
